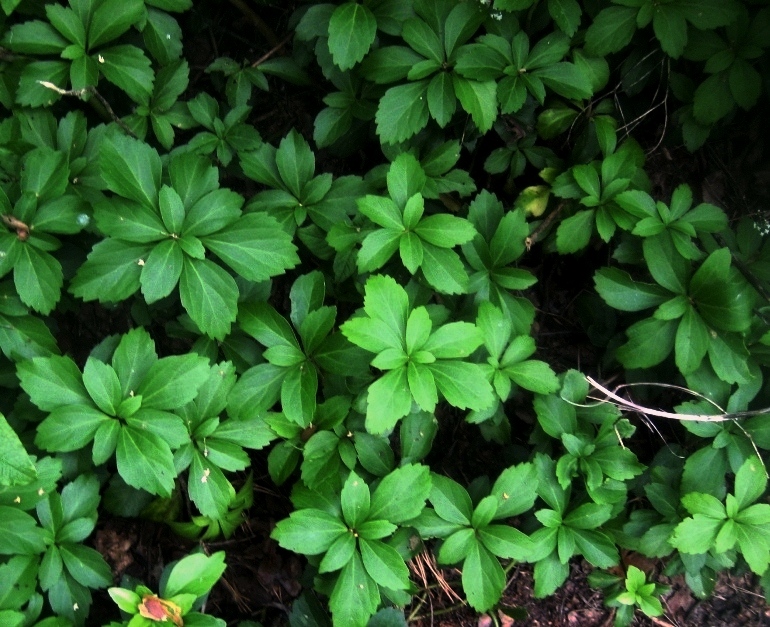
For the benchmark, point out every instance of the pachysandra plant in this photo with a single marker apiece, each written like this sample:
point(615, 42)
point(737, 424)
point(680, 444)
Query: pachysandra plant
point(192, 289)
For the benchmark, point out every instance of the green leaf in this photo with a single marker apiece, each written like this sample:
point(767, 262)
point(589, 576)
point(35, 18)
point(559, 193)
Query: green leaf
point(400, 495)
point(132, 169)
point(35, 37)
point(588, 516)
point(172, 382)
point(566, 14)
point(750, 482)
point(483, 578)
point(442, 102)
point(713, 100)
point(388, 400)
point(111, 19)
point(453, 340)
point(195, 574)
point(255, 246)
point(340, 553)
point(611, 30)
point(209, 295)
point(463, 384)
point(308, 531)
point(355, 596)
point(352, 28)
point(720, 295)
point(69, 427)
point(129, 69)
point(445, 231)
point(692, 341)
point(402, 112)
point(670, 28)
point(145, 461)
point(597, 548)
point(450, 500)
point(387, 301)
point(505, 541)
point(406, 180)
point(382, 211)
point(649, 342)
point(161, 270)
point(555, 416)
point(86, 565)
point(479, 99)
point(355, 500)
point(696, 534)
point(422, 386)
point(516, 489)
point(102, 384)
point(620, 291)
point(52, 382)
point(298, 393)
point(16, 468)
point(533, 375)
point(383, 564)
point(574, 233)
point(444, 270)
point(377, 248)
point(754, 549)
point(20, 533)
point(112, 271)
point(38, 279)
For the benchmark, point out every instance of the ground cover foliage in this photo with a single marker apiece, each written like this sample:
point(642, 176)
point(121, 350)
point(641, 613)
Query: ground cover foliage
point(297, 255)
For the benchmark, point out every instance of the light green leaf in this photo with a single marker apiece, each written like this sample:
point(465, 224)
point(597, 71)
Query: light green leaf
point(377, 247)
point(463, 384)
point(453, 340)
point(696, 534)
point(386, 300)
point(422, 386)
point(388, 400)
point(195, 574)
